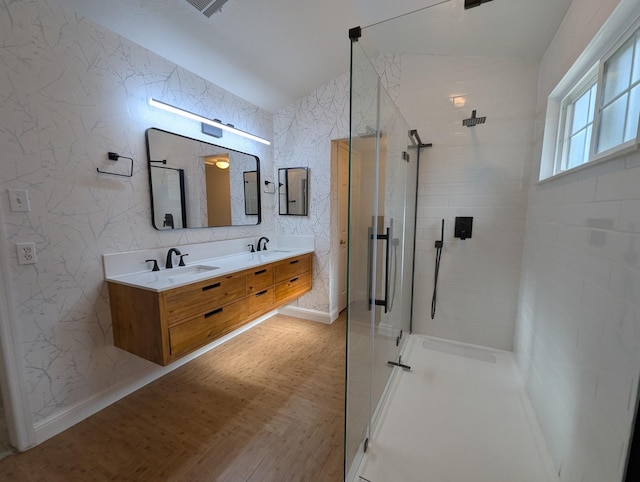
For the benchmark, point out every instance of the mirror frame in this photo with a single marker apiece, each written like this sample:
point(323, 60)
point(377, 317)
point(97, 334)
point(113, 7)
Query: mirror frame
point(280, 185)
point(184, 207)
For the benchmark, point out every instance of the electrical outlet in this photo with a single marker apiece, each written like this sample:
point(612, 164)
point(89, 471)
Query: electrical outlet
point(26, 253)
point(19, 200)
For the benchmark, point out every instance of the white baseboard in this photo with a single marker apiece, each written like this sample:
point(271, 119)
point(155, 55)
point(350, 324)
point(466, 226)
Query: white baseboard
point(61, 421)
point(307, 314)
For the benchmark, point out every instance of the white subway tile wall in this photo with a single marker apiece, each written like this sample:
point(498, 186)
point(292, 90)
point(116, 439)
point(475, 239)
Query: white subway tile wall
point(578, 331)
point(480, 171)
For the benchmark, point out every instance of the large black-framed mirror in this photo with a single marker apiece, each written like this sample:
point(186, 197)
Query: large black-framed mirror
point(196, 184)
point(293, 192)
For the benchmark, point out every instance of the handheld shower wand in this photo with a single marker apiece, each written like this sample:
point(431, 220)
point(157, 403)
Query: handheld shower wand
point(439, 245)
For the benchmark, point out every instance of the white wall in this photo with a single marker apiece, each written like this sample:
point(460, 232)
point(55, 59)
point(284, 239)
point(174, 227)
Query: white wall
point(69, 92)
point(578, 330)
point(480, 171)
point(303, 134)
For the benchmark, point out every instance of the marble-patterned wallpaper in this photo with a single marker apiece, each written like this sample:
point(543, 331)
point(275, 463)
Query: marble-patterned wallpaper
point(71, 91)
point(303, 133)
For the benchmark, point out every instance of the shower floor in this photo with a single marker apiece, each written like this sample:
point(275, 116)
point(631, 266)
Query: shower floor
point(460, 414)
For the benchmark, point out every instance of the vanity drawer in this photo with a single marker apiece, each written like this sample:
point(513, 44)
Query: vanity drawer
point(292, 267)
point(261, 302)
point(293, 288)
point(205, 328)
point(259, 279)
point(198, 298)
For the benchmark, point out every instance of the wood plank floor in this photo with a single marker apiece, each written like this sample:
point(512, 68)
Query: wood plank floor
point(265, 406)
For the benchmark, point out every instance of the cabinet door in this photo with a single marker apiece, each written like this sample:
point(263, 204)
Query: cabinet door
point(200, 330)
point(261, 302)
point(259, 279)
point(188, 301)
point(293, 288)
point(289, 268)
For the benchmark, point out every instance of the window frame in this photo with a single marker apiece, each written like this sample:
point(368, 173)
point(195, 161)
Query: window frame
point(623, 24)
point(633, 31)
point(566, 120)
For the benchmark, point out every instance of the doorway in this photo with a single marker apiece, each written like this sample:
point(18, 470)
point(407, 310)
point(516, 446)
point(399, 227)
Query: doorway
point(341, 166)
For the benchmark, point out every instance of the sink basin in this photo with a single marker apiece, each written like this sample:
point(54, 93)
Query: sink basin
point(272, 252)
point(174, 273)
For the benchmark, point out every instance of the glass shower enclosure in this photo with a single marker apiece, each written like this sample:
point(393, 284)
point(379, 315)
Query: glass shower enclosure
point(383, 172)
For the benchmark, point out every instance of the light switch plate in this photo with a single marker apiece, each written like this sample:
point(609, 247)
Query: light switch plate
point(26, 253)
point(19, 200)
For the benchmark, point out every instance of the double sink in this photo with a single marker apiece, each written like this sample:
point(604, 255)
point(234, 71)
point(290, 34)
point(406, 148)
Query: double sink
point(180, 276)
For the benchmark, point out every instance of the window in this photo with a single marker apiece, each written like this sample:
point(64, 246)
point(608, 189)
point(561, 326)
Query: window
point(620, 105)
point(578, 109)
point(598, 115)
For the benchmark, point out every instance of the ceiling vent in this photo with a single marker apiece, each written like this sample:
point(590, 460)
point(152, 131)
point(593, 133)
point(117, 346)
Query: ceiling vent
point(470, 3)
point(208, 7)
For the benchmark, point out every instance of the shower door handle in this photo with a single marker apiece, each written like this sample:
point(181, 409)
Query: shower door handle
point(379, 237)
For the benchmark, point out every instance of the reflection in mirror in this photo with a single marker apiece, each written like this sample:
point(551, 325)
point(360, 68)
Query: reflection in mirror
point(168, 184)
point(294, 190)
point(196, 184)
point(250, 192)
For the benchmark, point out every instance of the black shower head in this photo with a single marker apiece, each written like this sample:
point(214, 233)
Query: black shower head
point(473, 120)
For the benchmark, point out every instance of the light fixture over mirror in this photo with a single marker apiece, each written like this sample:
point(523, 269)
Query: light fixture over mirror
point(204, 120)
point(199, 184)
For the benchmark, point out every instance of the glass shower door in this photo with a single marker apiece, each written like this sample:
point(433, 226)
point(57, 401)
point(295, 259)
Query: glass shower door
point(382, 200)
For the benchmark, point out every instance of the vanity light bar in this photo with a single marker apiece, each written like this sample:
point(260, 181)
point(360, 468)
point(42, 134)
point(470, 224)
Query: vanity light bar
point(204, 120)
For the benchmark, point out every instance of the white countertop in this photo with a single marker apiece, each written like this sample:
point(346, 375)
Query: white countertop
point(167, 279)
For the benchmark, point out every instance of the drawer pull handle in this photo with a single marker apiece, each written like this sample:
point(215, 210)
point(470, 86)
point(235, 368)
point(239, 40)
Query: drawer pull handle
point(214, 312)
point(293, 280)
point(261, 293)
point(261, 271)
point(210, 287)
point(294, 261)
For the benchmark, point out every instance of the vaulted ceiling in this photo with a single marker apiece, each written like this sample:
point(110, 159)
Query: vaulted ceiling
point(271, 52)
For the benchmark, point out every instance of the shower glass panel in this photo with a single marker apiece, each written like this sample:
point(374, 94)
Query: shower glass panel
point(381, 223)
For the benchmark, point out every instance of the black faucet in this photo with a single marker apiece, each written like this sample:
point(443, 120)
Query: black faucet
point(266, 240)
point(169, 263)
point(155, 264)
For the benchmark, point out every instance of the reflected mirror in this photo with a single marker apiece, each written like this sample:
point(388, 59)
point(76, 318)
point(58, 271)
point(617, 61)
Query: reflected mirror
point(294, 191)
point(195, 184)
point(250, 192)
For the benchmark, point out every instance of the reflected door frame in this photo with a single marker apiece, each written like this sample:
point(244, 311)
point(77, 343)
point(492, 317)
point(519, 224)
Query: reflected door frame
point(343, 220)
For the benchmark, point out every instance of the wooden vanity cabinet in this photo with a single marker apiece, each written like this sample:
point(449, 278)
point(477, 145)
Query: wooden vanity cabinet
point(260, 290)
point(292, 277)
point(164, 326)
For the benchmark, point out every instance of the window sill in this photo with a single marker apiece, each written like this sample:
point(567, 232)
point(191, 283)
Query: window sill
point(599, 160)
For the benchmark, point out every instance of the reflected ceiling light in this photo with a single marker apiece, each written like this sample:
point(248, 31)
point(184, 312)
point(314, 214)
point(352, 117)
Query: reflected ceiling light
point(204, 120)
point(221, 162)
point(458, 101)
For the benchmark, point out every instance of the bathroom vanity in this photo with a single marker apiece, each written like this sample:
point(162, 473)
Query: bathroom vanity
point(162, 316)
